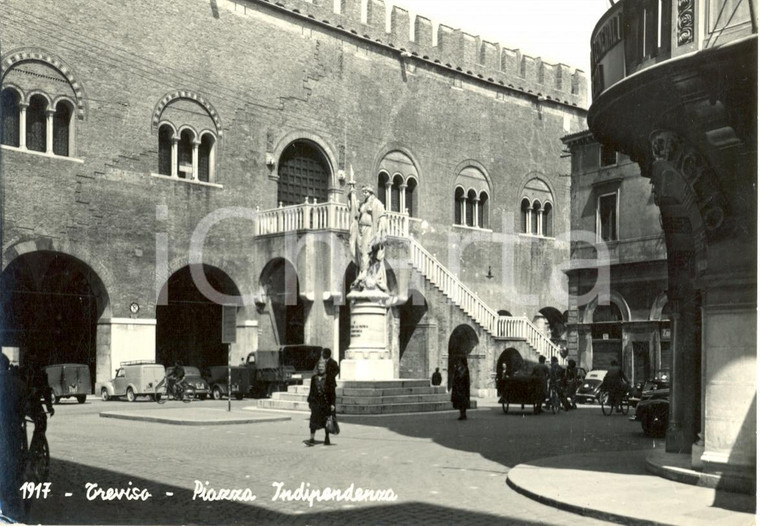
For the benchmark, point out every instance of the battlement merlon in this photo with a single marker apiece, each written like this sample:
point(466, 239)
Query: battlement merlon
point(455, 49)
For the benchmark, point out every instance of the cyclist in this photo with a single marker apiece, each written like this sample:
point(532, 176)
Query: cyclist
point(572, 379)
point(174, 377)
point(556, 381)
point(615, 383)
point(12, 439)
point(39, 396)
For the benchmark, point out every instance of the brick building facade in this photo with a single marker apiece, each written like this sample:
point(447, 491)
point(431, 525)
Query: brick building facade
point(129, 130)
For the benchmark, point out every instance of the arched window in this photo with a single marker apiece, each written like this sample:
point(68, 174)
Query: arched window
point(185, 154)
point(534, 223)
point(537, 207)
point(36, 124)
point(473, 214)
point(483, 210)
point(411, 196)
point(304, 173)
point(396, 193)
point(458, 206)
point(525, 207)
point(470, 208)
point(206, 158)
point(165, 136)
point(382, 185)
point(10, 113)
point(547, 220)
point(62, 129)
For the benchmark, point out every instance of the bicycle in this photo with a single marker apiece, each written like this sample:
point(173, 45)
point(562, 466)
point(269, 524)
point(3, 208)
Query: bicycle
point(608, 406)
point(181, 390)
point(553, 400)
point(37, 453)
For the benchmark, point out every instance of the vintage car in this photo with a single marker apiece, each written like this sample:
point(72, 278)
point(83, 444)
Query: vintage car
point(216, 377)
point(588, 390)
point(133, 379)
point(68, 380)
point(661, 380)
point(194, 378)
point(653, 411)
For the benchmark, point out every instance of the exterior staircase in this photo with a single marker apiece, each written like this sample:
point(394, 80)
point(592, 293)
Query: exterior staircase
point(498, 327)
point(335, 216)
point(369, 398)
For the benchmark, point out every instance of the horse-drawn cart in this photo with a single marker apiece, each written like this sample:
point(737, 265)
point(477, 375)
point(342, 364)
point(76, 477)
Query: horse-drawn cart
point(523, 390)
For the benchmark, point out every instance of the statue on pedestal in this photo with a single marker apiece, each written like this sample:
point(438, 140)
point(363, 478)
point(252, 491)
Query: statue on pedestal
point(368, 233)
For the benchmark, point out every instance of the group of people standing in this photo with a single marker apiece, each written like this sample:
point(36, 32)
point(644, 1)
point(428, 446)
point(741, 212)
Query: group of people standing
point(564, 380)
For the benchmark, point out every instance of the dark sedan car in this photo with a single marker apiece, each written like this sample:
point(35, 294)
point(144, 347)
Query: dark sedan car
point(194, 378)
point(652, 411)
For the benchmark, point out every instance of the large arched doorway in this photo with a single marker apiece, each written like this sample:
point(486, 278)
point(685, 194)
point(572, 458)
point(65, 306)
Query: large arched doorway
point(279, 281)
point(189, 326)
point(49, 307)
point(414, 337)
point(461, 343)
point(304, 173)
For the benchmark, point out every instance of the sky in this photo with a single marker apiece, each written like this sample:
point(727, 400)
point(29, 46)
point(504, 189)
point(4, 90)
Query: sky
point(555, 30)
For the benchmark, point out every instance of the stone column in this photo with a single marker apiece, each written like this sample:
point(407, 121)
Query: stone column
point(22, 124)
point(120, 340)
point(175, 155)
point(246, 341)
point(49, 114)
point(194, 175)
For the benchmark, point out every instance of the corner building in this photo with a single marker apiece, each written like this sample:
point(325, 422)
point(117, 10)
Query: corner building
point(681, 78)
point(618, 303)
point(162, 159)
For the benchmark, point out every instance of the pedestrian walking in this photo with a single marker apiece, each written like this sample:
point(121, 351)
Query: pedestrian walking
point(436, 379)
point(460, 388)
point(332, 369)
point(501, 381)
point(321, 402)
point(571, 382)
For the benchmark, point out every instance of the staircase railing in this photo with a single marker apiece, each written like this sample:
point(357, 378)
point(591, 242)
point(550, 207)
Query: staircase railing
point(507, 327)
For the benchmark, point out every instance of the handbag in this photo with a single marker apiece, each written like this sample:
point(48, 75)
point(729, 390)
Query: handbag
point(332, 426)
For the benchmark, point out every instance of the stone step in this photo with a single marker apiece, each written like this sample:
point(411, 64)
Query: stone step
point(384, 384)
point(386, 409)
point(403, 399)
point(393, 391)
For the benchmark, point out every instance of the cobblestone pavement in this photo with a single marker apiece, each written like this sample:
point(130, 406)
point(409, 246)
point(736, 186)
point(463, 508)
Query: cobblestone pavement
point(442, 470)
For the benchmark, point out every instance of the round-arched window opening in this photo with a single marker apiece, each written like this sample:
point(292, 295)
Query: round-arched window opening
point(304, 173)
point(10, 115)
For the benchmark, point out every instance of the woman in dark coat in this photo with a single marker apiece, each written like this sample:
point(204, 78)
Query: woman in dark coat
point(460, 389)
point(321, 402)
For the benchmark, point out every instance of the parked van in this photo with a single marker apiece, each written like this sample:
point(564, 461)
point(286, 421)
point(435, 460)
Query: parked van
point(69, 380)
point(133, 379)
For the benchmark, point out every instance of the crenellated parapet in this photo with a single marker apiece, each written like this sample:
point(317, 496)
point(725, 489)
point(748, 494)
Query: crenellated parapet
point(456, 50)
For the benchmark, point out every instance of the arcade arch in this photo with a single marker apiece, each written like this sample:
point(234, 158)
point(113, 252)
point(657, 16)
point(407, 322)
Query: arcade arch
point(189, 325)
point(50, 304)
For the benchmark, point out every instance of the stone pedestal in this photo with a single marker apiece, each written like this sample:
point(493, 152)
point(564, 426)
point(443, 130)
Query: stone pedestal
point(367, 356)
